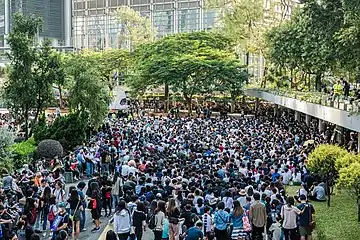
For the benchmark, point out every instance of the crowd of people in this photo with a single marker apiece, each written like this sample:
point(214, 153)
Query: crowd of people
point(173, 178)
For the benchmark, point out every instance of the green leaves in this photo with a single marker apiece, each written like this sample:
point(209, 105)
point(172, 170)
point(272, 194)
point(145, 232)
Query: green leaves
point(135, 29)
point(190, 63)
point(322, 160)
point(87, 93)
point(32, 72)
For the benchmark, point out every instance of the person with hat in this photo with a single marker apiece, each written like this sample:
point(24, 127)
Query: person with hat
point(242, 197)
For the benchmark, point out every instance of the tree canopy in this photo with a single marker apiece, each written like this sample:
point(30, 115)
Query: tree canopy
point(322, 37)
point(190, 63)
point(33, 70)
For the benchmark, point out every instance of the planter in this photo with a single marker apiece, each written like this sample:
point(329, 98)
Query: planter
point(330, 103)
point(341, 106)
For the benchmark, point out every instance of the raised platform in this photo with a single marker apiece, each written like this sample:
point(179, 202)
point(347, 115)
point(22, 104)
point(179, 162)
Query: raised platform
point(330, 114)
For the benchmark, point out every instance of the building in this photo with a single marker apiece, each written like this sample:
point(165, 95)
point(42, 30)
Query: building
point(56, 16)
point(95, 26)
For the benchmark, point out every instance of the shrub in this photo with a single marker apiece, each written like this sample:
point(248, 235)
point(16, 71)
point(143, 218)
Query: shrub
point(322, 161)
point(23, 152)
point(49, 149)
point(6, 140)
point(69, 130)
point(346, 161)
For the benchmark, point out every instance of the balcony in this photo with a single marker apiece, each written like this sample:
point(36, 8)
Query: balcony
point(340, 112)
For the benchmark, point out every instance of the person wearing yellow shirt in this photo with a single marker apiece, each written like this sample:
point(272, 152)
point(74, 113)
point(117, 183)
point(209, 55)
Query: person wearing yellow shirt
point(338, 90)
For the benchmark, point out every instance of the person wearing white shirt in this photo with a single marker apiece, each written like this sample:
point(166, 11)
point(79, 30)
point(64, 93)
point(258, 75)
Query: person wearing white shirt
point(242, 198)
point(124, 170)
point(286, 177)
point(228, 201)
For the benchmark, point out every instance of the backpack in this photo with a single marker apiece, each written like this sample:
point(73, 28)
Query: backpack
point(152, 222)
point(51, 215)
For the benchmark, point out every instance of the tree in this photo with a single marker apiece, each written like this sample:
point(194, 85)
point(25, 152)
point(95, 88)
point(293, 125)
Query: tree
point(6, 140)
point(190, 63)
point(20, 92)
point(111, 64)
point(232, 75)
point(346, 161)
point(349, 179)
point(308, 40)
point(33, 70)
point(135, 28)
point(322, 161)
point(87, 93)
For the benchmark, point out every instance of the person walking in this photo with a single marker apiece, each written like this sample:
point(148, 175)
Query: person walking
point(236, 218)
point(221, 220)
point(289, 215)
point(122, 221)
point(173, 214)
point(159, 219)
point(305, 219)
point(139, 219)
point(80, 188)
point(75, 212)
point(257, 217)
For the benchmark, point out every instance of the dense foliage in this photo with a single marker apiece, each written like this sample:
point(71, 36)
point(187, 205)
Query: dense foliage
point(322, 161)
point(23, 152)
point(322, 37)
point(49, 149)
point(190, 64)
point(69, 130)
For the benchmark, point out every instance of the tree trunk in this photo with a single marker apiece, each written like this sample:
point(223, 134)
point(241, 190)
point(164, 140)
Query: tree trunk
point(318, 82)
point(358, 202)
point(166, 105)
point(257, 102)
point(247, 64)
point(60, 97)
point(26, 128)
point(232, 107)
point(189, 105)
point(291, 79)
point(328, 190)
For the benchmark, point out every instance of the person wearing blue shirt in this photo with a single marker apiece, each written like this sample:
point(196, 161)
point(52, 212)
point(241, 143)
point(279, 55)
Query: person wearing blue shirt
point(195, 233)
point(236, 217)
point(221, 220)
point(275, 175)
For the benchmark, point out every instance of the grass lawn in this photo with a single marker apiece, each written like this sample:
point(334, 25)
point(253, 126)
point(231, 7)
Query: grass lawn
point(337, 222)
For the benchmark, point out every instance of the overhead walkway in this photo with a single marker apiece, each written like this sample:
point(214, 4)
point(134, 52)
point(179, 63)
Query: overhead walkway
point(340, 114)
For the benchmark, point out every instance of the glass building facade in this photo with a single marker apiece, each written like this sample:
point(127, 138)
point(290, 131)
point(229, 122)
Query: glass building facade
point(95, 25)
point(52, 13)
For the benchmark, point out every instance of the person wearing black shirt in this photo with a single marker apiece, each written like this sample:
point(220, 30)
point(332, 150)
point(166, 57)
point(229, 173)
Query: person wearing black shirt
point(75, 210)
point(139, 218)
point(61, 220)
point(93, 185)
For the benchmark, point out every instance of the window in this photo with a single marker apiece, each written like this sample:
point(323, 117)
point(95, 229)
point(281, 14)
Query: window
point(113, 3)
point(79, 5)
point(189, 20)
point(164, 21)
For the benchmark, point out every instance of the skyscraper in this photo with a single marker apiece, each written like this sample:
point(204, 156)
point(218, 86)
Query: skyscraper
point(95, 25)
point(56, 16)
